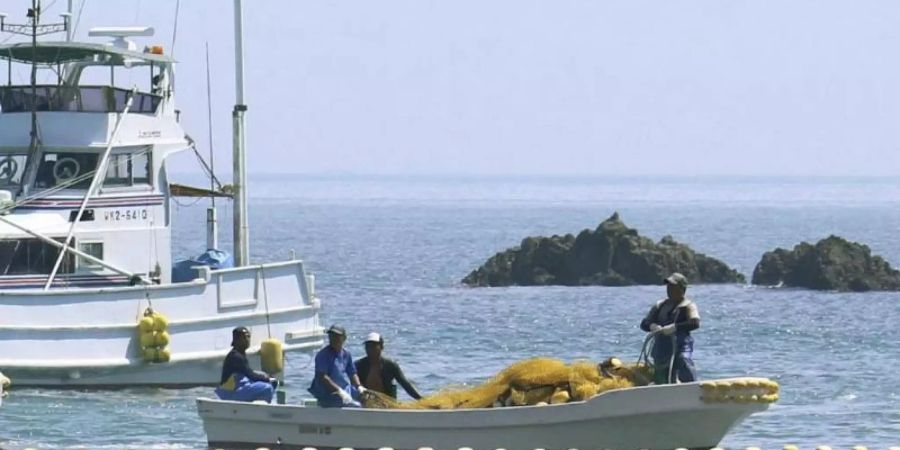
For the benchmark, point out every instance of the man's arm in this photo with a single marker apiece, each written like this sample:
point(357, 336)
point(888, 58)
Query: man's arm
point(327, 381)
point(688, 325)
point(691, 321)
point(401, 379)
point(361, 368)
point(649, 319)
point(243, 367)
point(351, 371)
point(322, 363)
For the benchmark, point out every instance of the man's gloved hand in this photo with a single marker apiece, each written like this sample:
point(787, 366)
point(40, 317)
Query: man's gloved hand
point(668, 330)
point(274, 382)
point(361, 389)
point(654, 327)
point(345, 397)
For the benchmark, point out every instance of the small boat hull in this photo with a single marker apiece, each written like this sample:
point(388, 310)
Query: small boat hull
point(651, 417)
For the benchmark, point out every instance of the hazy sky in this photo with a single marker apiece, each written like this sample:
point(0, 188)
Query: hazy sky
point(540, 87)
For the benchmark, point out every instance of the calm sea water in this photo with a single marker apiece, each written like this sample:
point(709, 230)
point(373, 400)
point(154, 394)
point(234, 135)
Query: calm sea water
point(388, 254)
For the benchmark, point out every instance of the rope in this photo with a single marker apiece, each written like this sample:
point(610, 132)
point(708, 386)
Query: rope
point(175, 28)
point(185, 205)
point(78, 18)
point(647, 349)
point(262, 271)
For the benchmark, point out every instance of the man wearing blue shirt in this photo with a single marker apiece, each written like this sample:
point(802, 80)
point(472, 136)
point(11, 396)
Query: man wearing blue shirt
point(335, 383)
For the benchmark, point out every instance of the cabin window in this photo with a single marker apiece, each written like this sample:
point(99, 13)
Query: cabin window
point(94, 249)
point(65, 170)
point(32, 257)
point(140, 163)
point(128, 169)
point(12, 166)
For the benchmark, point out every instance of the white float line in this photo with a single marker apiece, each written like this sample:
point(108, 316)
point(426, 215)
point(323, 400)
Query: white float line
point(786, 447)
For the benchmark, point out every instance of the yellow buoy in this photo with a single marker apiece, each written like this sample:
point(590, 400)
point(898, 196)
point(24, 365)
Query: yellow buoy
point(146, 324)
point(560, 396)
point(160, 323)
point(148, 339)
point(163, 355)
point(149, 354)
point(271, 355)
point(161, 339)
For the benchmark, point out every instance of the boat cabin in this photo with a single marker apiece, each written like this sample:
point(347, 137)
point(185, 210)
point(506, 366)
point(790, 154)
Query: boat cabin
point(85, 154)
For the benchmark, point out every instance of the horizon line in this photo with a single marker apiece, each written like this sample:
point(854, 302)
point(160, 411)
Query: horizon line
point(457, 175)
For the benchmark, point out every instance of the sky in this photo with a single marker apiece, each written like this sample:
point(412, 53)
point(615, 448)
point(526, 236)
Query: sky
point(534, 87)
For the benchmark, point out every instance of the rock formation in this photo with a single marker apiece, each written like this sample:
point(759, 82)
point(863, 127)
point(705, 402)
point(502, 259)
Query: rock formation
point(611, 255)
point(833, 263)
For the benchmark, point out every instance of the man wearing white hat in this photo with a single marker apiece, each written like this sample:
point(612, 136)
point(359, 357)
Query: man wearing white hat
point(378, 373)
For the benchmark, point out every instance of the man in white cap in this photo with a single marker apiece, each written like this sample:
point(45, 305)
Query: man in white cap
point(378, 373)
point(672, 320)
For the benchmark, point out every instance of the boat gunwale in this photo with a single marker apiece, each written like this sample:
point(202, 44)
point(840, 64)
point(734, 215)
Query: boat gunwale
point(130, 327)
point(28, 292)
point(97, 364)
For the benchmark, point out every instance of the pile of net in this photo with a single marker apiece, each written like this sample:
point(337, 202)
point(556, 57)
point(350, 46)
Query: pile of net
point(534, 381)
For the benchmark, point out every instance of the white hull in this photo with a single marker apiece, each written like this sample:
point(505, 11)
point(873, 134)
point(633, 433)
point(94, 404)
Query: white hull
point(652, 417)
point(88, 337)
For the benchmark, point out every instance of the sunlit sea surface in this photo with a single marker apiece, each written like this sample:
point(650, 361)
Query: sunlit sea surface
point(388, 254)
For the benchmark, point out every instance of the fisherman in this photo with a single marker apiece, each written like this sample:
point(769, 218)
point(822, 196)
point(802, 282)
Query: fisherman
point(378, 373)
point(335, 383)
point(672, 321)
point(239, 381)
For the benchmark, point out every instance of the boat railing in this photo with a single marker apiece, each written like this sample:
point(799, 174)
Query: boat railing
point(91, 99)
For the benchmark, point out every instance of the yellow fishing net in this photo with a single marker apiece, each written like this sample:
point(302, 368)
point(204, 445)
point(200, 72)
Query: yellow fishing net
point(529, 382)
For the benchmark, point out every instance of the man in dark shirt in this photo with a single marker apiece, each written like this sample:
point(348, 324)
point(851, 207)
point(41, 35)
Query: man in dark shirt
point(378, 373)
point(239, 381)
point(672, 320)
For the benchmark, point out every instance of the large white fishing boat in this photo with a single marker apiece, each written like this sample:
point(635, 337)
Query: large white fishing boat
point(85, 224)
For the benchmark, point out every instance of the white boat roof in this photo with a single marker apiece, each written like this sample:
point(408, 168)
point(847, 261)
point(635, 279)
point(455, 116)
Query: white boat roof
point(66, 52)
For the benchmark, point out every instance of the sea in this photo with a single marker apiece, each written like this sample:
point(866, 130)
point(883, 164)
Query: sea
point(388, 253)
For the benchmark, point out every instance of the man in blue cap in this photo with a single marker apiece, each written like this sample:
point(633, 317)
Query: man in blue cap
point(672, 320)
point(239, 381)
point(335, 383)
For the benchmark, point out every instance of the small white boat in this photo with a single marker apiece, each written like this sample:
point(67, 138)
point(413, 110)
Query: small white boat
point(690, 415)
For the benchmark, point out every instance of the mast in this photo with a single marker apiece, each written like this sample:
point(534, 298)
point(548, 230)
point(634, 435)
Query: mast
point(241, 225)
point(30, 163)
point(70, 9)
point(33, 29)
